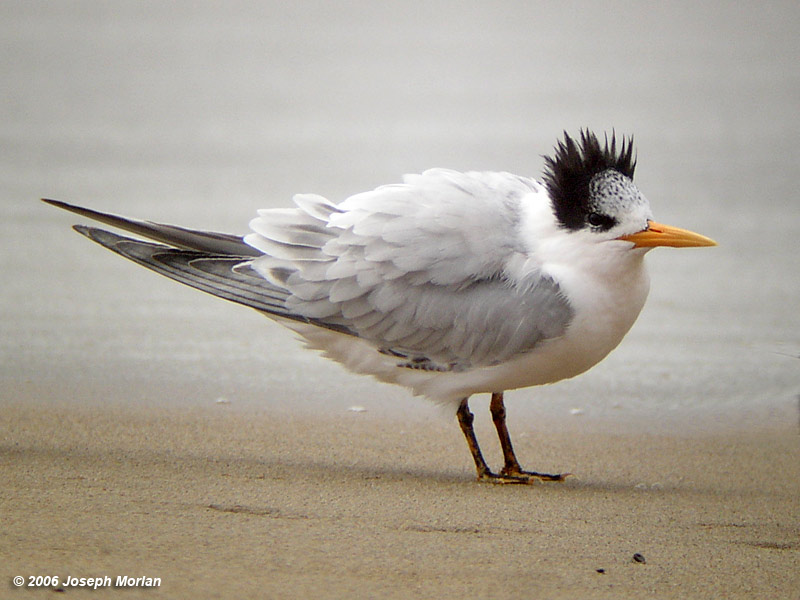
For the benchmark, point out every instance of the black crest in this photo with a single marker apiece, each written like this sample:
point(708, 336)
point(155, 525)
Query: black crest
point(569, 171)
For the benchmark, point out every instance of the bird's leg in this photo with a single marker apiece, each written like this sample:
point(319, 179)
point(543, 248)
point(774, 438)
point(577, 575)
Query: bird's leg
point(512, 468)
point(498, 409)
point(465, 418)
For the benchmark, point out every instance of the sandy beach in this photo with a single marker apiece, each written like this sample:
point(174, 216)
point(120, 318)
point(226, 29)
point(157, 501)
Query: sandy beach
point(223, 502)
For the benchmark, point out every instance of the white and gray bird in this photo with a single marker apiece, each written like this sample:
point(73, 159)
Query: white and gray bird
point(449, 283)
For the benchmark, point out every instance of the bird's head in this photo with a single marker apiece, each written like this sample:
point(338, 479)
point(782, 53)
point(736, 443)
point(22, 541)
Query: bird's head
point(591, 190)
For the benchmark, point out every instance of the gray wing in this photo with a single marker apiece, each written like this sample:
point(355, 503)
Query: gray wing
point(419, 269)
point(216, 263)
point(228, 277)
point(484, 324)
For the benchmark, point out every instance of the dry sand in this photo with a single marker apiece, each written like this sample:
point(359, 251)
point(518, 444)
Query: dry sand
point(230, 502)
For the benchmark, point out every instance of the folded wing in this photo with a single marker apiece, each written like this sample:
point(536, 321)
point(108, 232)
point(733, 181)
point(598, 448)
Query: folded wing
point(419, 269)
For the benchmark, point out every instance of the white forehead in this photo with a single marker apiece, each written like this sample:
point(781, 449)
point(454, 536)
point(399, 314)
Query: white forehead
point(615, 194)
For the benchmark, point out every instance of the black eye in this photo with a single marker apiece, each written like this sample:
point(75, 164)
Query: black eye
point(600, 221)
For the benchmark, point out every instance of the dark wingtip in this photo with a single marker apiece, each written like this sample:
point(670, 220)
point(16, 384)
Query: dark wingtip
point(80, 210)
point(101, 236)
point(83, 230)
point(93, 233)
point(179, 237)
point(52, 202)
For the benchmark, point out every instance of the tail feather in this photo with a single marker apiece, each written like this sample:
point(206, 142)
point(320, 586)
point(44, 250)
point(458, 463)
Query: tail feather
point(178, 237)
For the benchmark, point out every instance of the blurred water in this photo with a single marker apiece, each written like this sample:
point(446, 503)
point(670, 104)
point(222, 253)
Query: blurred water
point(199, 113)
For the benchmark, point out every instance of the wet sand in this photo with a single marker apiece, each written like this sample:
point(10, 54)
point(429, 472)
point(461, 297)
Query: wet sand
point(229, 501)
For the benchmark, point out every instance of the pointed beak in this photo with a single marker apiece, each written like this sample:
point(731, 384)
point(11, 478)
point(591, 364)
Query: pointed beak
point(657, 234)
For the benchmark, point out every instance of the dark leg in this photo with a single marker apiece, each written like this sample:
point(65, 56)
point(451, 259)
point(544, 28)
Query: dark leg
point(465, 418)
point(498, 410)
point(512, 468)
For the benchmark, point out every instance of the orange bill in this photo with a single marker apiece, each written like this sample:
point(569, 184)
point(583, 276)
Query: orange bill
point(657, 234)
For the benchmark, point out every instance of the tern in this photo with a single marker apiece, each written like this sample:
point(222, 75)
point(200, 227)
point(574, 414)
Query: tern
point(449, 283)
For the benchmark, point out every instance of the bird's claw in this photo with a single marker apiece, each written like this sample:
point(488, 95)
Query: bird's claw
point(520, 477)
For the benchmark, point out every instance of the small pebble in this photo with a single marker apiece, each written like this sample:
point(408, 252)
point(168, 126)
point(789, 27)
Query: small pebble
point(639, 558)
point(357, 409)
point(576, 411)
point(222, 400)
point(600, 570)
